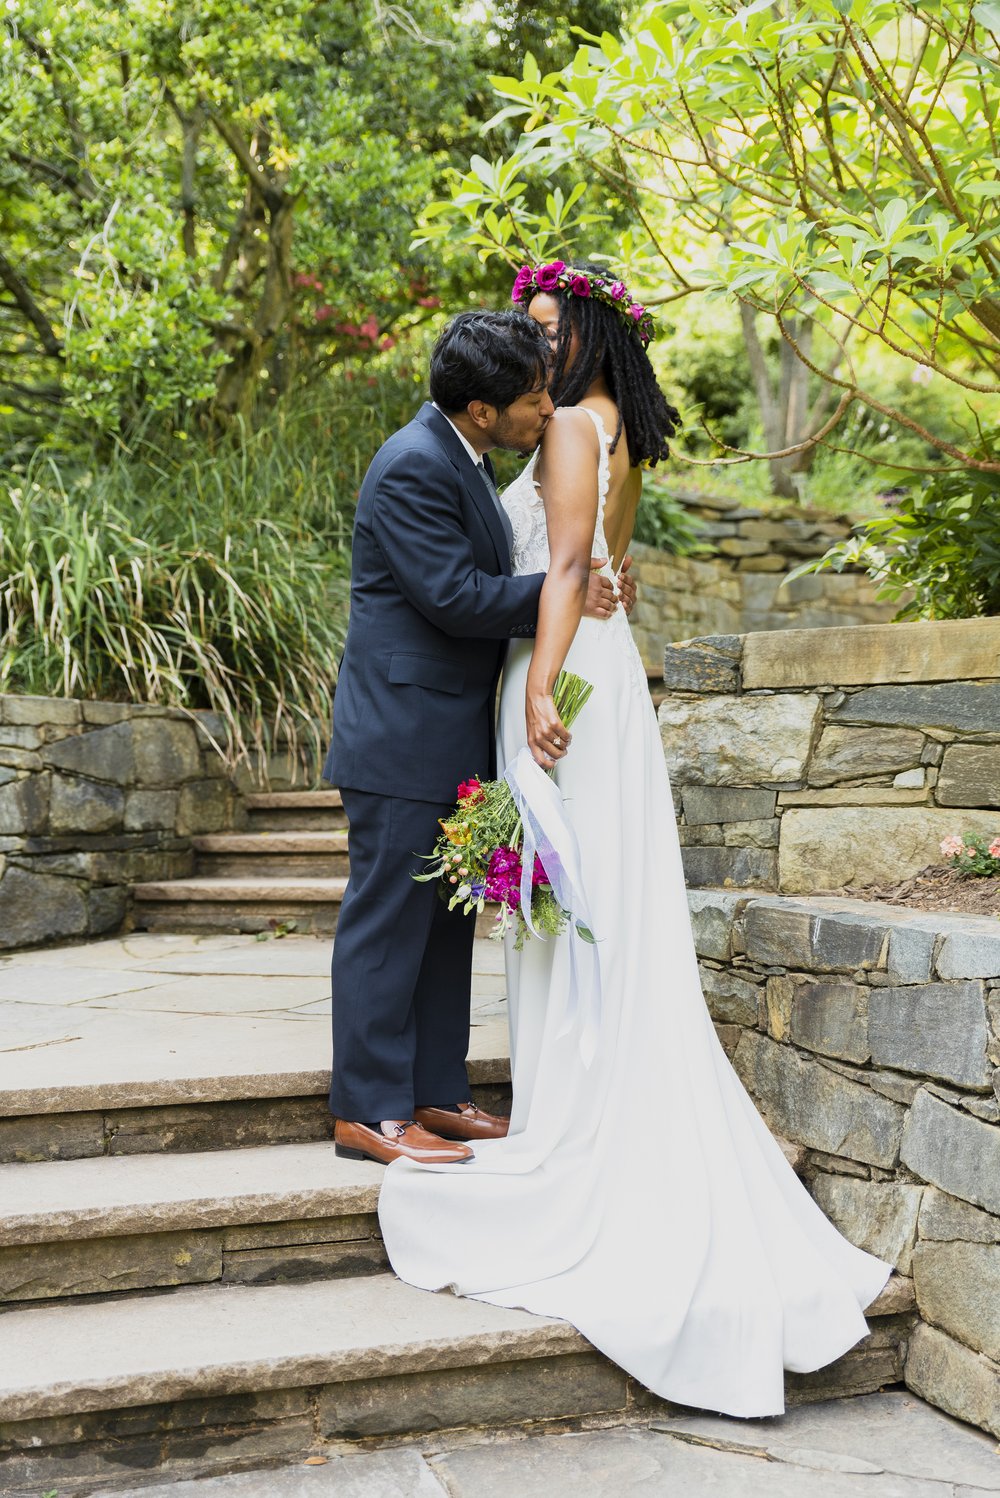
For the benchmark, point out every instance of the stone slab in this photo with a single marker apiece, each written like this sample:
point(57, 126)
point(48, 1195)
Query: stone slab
point(99, 1266)
point(958, 1289)
point(854, 753)
point(970, 775)
point(891, 1432)
point(727, 804)
point(826, 848)
point(210, 1039)
point(857, 795)
point(933, 1029)
point(880, 1216)
point(374, 1474)
point(972, 951)
point(744, 868)
point(949, 1148)
point(249, 891)
point(944, 1217)
point(737, 741)
point(216, 1340)
point(523, 1390)
point(831, 1018)
point(815, 1106)
point(955, 1378)
point(954, 704)
point(127, 1194)
point(655, 1465)
point(941, 651)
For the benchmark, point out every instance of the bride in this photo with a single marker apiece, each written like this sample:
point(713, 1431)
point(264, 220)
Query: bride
point(640, 1196)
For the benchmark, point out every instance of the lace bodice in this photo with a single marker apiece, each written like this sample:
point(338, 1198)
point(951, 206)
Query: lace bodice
point(526, 512)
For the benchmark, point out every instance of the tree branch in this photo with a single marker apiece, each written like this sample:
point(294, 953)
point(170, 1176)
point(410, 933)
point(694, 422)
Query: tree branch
point(36, 317)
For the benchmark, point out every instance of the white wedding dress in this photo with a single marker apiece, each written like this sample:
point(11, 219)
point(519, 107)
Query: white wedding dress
point(642, 1199)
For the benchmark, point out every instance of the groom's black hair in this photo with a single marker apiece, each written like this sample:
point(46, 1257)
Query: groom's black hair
point(488, 356)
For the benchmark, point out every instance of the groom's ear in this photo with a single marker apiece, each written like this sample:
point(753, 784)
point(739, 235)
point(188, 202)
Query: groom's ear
point(483, 414)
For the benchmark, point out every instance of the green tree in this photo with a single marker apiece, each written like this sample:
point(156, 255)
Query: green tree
point(201, 202)
point(833, 164)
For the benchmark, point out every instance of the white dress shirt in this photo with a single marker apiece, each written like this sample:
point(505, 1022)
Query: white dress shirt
point(476, 457)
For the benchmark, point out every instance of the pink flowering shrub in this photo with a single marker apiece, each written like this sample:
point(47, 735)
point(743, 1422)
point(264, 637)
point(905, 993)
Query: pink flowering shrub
point(973, 857)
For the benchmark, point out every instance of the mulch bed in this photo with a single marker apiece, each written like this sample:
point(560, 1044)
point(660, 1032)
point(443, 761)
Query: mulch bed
point(936, 889)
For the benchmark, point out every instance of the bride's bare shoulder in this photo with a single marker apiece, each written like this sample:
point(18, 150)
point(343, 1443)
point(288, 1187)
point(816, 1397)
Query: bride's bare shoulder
point(570, 428)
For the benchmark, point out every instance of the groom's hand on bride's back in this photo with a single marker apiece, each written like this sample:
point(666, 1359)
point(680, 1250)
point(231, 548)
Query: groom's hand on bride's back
point(601, 600)
point(626, 585)
point(601, 597)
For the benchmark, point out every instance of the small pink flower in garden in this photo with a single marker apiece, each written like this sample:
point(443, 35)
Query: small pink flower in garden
point(322, 313)
point(952, 846)
point(970, 852)
point(995, 848)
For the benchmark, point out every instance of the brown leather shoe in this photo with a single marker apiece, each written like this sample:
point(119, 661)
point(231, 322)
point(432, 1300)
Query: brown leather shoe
point(396, 1140)
point(469, 1122)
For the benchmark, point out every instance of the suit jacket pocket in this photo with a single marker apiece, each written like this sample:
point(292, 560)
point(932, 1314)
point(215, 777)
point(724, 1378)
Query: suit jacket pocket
point(427, 671)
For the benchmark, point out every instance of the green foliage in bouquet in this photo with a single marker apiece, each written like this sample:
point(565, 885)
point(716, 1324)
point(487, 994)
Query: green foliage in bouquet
point(477, 858)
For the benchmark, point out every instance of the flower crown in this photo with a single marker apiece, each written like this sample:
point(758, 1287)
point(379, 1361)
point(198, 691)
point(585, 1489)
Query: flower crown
point(558, 276)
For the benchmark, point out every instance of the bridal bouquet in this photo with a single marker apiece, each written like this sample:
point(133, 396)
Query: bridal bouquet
point(482, 853)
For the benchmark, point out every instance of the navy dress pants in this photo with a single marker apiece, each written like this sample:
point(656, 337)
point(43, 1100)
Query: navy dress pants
point(402, 969)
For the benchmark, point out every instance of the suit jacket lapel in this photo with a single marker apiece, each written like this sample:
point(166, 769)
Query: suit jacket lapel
point(474, 486)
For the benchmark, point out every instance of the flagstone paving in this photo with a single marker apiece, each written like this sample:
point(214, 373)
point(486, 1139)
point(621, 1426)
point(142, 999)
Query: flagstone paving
point(888, 1445)
point(184, 1018)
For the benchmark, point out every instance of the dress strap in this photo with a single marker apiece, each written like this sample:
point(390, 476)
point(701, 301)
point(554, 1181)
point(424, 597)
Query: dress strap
point(604, 462)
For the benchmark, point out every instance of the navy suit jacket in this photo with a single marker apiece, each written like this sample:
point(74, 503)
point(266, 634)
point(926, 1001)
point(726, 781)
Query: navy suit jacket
point(432, 605)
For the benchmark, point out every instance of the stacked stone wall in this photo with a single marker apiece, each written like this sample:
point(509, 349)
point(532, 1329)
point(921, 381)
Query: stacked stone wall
point(93, 797)
point(820, 759)
point(739, 583)
point(869, 1037)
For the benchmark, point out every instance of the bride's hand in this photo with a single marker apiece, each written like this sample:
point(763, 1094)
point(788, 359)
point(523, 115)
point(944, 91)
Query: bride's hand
point(601, 600)
point(548, 738)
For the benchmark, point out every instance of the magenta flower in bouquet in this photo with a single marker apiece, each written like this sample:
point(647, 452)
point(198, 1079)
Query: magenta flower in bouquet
point(477, 858)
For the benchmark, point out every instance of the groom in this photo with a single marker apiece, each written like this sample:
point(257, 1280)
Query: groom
point(433, 604)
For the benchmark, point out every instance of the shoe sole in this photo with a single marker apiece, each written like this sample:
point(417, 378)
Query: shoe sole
point(346, 1153)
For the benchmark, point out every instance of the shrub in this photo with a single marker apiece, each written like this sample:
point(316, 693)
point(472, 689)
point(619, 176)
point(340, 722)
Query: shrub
point(940, 550)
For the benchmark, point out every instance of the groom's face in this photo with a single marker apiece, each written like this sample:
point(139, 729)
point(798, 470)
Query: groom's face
point(519, 427)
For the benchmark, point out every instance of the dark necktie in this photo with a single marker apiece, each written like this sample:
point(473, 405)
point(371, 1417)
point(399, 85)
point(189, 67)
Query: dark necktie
point(501, 512)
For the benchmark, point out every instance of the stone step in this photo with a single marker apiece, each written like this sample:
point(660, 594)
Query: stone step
point(285, 854)
point(129, 1223)
point(203, 1378)
point(281, 811)
point(248, 1216)
point(305, 904)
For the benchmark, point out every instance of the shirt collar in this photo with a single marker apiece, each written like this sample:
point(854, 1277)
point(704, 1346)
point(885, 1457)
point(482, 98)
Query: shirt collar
point(476, 457)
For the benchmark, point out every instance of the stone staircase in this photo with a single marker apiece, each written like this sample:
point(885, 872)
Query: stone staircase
point(287, 870)
point(170, 1313)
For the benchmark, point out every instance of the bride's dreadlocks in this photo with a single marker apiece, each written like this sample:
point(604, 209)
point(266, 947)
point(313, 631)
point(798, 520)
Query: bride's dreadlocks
point(611, 346)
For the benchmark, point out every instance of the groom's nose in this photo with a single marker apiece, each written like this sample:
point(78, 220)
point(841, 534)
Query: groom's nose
point(546, 409)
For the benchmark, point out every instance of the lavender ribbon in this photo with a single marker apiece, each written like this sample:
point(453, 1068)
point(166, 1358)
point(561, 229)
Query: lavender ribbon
point(549, 836)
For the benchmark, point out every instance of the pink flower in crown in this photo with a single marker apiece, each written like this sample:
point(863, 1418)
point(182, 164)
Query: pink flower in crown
point(637, 310)
point(547, 276)
point(952, 846)
point(995, 848)
point(619, 291)
point(522, 280)
point(579, 285)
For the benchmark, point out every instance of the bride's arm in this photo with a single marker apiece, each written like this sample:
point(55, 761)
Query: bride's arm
point(570, 460)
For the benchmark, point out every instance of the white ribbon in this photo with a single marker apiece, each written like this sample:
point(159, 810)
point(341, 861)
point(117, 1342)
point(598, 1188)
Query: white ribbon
point(549, 836)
